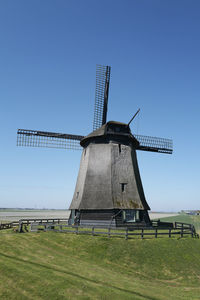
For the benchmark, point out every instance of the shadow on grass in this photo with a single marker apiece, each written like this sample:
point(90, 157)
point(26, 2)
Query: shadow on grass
point(77, 276)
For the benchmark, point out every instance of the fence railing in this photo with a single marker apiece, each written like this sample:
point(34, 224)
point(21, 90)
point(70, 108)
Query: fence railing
point(8, 225)
point(27, 222)
point(124, 232)
point(157, 228)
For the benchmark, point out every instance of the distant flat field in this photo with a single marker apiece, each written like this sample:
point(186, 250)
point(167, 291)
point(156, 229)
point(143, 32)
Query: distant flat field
point(15, 215)
point(159, 215)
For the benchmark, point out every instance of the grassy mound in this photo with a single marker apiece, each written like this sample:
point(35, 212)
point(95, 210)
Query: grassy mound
point(65, 266)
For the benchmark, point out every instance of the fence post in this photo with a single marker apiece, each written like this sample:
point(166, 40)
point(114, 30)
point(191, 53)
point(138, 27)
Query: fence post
point(156, 233)
point(170, 232)
point(182, 230)
point(192, 231)
point(109, 232)
point(93, 230)
point(126, 234)
point(20, 226)
point(76, 229)
point(142, 233)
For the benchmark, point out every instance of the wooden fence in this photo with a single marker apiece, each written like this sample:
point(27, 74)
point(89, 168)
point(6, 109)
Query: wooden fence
point(157, 229)
point(8, 225)
point(27, 222)
point(180, 229)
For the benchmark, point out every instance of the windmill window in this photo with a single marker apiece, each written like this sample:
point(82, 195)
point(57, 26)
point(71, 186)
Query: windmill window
point(129, 216)
point(123, 186)
point(120, 148)
point(110, 129)
point(77, 194)
point(137, 215)
point(117, 129)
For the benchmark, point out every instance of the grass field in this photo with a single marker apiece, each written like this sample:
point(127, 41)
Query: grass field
point(66, 266)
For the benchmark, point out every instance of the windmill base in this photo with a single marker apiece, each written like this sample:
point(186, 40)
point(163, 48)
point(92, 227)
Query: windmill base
point(110, 217)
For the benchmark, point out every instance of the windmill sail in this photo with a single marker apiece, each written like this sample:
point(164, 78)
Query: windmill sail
point(154, 144)
point(34, 138)
point(101, 95)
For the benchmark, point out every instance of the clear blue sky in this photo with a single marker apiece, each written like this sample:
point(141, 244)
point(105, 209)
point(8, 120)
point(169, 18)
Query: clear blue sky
point(48, 55)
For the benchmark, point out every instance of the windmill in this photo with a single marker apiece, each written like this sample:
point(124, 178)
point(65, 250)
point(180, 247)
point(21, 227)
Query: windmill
point(109, 189)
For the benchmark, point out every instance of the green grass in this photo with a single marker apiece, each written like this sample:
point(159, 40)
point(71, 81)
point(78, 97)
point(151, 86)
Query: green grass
point(66, 266)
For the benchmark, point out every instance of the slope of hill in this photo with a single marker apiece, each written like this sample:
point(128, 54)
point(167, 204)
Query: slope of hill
point(65, 266)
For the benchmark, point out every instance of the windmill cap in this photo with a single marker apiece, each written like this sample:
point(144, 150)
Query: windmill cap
point(111, 130)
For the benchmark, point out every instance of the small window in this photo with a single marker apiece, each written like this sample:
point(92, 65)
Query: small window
point(120, 148)
point(137, 216)
point(110, 129)
point(123, 186)
point(129, 216)
point(77, 194)
point(117, 129)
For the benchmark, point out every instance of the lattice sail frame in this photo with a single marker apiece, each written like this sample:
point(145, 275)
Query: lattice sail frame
point(34, 138)
point(101, 95)
point(154, 144)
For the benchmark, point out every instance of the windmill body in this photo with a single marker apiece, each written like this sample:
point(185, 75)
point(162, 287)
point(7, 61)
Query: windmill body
point(109, 189)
